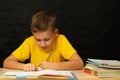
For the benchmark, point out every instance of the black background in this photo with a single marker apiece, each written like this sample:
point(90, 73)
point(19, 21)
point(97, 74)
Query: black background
point(92, 26)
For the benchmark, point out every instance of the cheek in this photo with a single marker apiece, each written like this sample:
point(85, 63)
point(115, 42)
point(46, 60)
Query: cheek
point(49, 43)
point(38, 43)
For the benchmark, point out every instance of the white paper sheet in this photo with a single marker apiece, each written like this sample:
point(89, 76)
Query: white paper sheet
point(38, 73)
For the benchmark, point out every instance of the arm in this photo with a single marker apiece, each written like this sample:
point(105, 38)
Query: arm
point(74, 63)
point(11, 62)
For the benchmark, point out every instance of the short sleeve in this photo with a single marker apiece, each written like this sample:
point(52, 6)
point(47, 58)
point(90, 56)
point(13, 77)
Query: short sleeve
point(67, 50)
point(22, 52)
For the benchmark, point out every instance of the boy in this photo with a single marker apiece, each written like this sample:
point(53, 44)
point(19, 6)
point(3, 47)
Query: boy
point(46, 48)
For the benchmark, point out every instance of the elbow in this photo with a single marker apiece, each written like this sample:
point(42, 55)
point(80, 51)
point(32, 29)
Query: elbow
point(80, 66)
point(4, 62)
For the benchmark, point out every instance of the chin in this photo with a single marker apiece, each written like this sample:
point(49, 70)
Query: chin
point(45, 49)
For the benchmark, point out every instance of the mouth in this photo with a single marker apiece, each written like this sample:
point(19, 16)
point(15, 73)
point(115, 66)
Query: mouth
point(44, 48)
point(47, 49)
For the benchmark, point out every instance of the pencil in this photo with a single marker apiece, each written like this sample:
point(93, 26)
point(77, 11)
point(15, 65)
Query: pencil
point(49, 55)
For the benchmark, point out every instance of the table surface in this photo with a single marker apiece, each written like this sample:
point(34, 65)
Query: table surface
point(80, 75)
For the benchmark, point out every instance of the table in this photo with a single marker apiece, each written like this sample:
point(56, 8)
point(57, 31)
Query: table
point(81, 76)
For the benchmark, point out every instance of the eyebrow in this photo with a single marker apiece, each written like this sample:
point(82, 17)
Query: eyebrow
point(43, 39)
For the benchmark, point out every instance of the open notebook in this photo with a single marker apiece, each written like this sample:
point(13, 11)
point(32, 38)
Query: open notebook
point(46, 73)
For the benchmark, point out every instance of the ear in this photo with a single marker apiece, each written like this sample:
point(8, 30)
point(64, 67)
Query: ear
point(56, 32)
point(32, 32)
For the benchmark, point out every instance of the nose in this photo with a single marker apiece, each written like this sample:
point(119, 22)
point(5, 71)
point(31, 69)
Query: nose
point(42, 44)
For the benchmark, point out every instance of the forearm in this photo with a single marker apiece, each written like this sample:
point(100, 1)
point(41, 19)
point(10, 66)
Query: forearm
point(74, 63)
point(69, 65)
point(11, 64)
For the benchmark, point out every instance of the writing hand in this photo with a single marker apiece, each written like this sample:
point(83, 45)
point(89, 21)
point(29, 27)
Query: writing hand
point(29, 67)
point(44, 65)
point(48, 65)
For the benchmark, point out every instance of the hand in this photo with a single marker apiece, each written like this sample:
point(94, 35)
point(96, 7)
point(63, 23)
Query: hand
point(29, 67)
point(45, 65)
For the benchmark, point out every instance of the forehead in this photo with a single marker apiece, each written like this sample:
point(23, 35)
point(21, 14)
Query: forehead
point(43, 34)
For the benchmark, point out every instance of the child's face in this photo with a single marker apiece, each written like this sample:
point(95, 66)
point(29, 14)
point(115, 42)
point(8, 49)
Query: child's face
point(45, 39)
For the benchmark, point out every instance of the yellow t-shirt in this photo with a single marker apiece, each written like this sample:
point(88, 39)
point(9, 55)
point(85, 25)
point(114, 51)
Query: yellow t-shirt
point(29, 49)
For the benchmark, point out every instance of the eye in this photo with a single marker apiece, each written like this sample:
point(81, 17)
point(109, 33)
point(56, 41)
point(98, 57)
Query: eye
point(38, 40)
point(47, 39)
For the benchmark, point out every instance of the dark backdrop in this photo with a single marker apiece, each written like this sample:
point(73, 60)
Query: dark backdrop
point(92, 26)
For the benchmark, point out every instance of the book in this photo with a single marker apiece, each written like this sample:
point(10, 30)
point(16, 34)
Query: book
point(105, 63)
point(99, 74)
point(86, 70)
point(102, 68)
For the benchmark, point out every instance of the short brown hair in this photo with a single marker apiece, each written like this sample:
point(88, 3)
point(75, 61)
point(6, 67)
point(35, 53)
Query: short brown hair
point(43, 21)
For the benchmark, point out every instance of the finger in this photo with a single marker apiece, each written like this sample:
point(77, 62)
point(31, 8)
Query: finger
point(32, 67)
point(29, 67)
point(25, 67)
